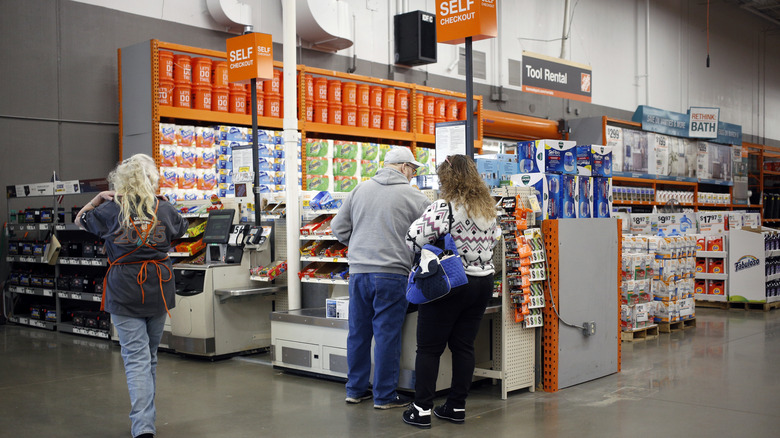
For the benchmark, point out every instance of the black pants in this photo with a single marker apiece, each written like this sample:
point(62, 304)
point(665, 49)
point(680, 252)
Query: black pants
point(454, 321)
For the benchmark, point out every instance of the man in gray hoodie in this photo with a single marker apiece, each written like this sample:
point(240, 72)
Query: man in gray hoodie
point(373, 222)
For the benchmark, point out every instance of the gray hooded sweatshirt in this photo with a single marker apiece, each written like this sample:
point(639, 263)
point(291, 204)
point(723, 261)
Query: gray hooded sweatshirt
point(373, 222)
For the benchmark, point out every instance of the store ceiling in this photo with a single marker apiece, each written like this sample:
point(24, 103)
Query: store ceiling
point(766, 9)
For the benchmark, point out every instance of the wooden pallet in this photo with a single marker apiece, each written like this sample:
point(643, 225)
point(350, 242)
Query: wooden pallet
point(748, 306)
point(723, 305)
point(668, 327)
point(640, 334)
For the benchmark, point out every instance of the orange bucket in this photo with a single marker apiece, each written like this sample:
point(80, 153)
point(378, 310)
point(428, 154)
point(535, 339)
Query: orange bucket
point(182, 69)
point(320, 112)
point(349, 93)
point(462, 113)
point(334, 112)
point(272, 106)
point(375, 118)
point(402, 121)
point(201, 68)
point(388, 119)
point(219, 74)
point(429, 126)
point(402, 100)
point(202, 97)
point(309, 112)
point(237, 103)
point(440, 108)
point(165, 92)
point(388, 99)
point(429, 105)
point(363, 94)
point(349, 115)
point(260, 103)
point(375, 99)
point(420, 106)
point(182, 95)
point(320, 90)
point(363, 117)
point(273, 85)
point(166, 65)
point(334, 91)
point(309, 88)
point(220, 100)
point(452, 110)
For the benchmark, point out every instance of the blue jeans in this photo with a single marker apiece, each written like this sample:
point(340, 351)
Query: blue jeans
point(377, 308)
point(139, 338)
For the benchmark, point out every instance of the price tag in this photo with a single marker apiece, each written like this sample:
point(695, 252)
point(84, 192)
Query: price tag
point(97, 298)
point(23, 320)
point(75, 296)
point(645, 224)
point(97, 263)
point(39, 324)
point(85, 262)
point(711, 223)
point(534, 202)
point(30, 227)
point(335, 259)
point(48, 293)
point(63, 294)
point(60, 227)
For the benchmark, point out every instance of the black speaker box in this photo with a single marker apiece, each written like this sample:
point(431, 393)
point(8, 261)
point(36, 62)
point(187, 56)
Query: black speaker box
point(415, 38)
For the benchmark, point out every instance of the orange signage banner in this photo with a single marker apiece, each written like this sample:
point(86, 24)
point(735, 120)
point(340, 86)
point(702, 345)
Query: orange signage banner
point(458, 19)
point(250, 56)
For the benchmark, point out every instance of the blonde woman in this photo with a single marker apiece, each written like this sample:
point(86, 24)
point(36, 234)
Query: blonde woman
point(453, 320)
point(138, 290)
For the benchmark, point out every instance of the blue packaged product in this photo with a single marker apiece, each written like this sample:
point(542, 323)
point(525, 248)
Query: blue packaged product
point(602, 197)
point(584, 160)
point(540, 182)
point(584, 196)
point(601, 160)
point(489, 170)
point(547, 156)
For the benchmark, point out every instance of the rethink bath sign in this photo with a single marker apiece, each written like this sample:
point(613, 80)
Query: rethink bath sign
point(556, 77)
point(703, 122)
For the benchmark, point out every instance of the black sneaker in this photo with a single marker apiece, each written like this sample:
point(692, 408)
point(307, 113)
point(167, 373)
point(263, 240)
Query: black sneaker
point(399, 402)
point(457, 416)
point(355, 400)
point(417, 417)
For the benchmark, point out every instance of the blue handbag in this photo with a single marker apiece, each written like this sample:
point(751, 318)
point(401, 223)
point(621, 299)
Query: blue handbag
point(438, 271)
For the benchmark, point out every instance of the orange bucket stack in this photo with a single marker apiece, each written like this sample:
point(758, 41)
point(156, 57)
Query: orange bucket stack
point(452, 110)
point(309, 81)
point(429, 112)
point(402, 110)
point(165, 88)
point(363, 105)
point(334, 102)
point(182, 79)
point(349, 104)
point(375, 107)
point(237, 98)
point(260, 98)
point(388, 109)
point(220, 97)
point(201, 81)
point(272, 97)
point(321, 100)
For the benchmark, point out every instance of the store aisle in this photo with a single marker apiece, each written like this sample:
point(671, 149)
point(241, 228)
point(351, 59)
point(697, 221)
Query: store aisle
point(719, 379)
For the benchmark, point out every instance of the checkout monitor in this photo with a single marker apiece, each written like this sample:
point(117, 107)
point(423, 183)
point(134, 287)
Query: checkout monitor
point(218, 226)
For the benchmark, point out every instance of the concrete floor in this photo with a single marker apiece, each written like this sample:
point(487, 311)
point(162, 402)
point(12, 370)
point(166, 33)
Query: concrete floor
point(721, 379)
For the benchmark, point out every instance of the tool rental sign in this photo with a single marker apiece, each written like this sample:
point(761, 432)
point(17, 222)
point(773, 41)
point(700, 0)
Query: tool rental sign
point(556, 77)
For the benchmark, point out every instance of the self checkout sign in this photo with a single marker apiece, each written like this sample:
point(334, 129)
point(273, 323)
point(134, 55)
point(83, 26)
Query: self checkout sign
point(458, 19)
point(250, 56)
point(711, 223)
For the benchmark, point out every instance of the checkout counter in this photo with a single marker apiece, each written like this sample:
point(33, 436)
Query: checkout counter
point(218, 312)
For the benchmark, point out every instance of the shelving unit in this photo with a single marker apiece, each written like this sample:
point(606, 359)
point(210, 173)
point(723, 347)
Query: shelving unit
point(62, 301)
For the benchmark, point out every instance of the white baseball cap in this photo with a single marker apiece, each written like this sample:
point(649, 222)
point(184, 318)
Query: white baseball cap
point(401, 155)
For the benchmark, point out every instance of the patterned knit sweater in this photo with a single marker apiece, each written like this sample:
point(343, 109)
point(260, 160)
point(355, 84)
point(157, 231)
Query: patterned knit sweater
point(475, 238)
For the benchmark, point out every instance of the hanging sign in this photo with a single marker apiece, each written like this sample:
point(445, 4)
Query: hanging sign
point(458, 19)
point(703, 122)
point(250, 56)
point(450, 138)
point(556, 77)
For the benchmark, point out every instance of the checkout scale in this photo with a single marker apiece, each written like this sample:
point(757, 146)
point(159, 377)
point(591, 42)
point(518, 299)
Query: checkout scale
point(218, 312)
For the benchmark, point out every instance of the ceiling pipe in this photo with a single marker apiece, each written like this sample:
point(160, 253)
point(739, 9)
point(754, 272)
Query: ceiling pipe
point(233, 15)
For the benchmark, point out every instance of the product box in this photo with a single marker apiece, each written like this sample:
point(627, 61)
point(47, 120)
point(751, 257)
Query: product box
point(584, 159)
point(614, 141)
point(345, 149)
point(344, 183)
point(505, 171)
point(601, 160)
point(636, 155)
point(666, 311)
point(345, 167)
point(686, 308)
point(337, 307)
point(602, 197)
point(584, 197)
point(557, 190)
point(715, 266)
point(547, 156)
point(318, 148)
point(659, 162)
point(489, 170)
point(537, 181)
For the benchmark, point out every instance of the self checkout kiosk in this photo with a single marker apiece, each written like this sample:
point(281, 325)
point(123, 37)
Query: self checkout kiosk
point(218, 312)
